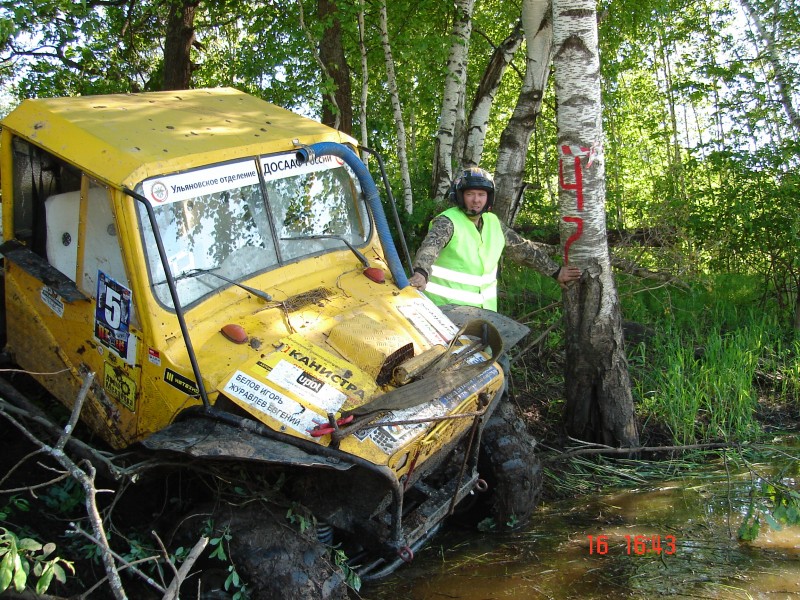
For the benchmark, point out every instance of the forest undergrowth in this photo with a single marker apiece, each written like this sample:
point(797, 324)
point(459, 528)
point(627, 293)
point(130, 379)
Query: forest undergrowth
point(712, 364)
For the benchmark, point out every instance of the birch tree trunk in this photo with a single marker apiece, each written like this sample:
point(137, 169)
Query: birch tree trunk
point(454, 90)
point(391, 81)
point(537, 23)
point(774, 55)
point(484, 97)
point(599, 403)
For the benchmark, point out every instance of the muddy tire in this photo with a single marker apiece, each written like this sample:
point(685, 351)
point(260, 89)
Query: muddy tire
point(275, 560)
point(510, 466)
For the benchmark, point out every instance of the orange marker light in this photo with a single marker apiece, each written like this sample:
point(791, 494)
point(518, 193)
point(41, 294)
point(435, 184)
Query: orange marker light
point(234, 333)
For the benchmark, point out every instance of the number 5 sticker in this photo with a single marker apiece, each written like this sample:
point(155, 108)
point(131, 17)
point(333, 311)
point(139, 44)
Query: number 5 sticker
point(112, 316)
point(113, 312)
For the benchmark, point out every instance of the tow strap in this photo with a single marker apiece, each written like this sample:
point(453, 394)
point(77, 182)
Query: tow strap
point(445, 373)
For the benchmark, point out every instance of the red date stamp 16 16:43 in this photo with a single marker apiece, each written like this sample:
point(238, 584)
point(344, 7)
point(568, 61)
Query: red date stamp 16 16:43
point(636, 544)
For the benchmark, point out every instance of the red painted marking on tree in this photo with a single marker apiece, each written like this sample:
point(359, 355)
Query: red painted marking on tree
point(578, 185)
point(574, 237)
point(576, 152)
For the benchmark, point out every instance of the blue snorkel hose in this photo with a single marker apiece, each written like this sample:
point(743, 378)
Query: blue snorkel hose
point(309, 153)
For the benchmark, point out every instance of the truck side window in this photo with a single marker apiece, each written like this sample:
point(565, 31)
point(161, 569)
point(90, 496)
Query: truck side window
point(47, 209)
point(37, 176)
point(101, 251)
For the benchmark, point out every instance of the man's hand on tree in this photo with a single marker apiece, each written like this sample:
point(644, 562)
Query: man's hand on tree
point(568, 274)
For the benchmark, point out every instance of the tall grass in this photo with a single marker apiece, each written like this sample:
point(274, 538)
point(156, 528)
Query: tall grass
point(699, 375)
point(718, 346)
point(704, 392)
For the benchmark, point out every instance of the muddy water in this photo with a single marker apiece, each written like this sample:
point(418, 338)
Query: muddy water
point(693, 518)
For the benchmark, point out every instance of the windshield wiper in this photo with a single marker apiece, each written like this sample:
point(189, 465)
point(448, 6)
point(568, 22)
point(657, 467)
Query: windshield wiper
point(247, 288)
point(353, 249)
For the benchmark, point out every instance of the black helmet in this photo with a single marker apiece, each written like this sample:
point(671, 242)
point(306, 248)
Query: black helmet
point(473, 178)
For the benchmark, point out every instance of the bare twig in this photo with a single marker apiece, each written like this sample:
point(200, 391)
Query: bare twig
point(124, 564)
point(76, 412)
point(36, 486)
point(183, 572)
point(165, 554)
point(98, 458)
point(538, 340)
point(16, 466)
point(86, 480)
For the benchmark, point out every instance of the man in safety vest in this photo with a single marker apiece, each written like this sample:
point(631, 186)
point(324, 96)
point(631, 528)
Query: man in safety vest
point(457, 261)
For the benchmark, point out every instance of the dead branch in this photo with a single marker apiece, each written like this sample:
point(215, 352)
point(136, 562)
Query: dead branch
point(24, 409)
point(602, 449)
point(628, 266)
point(537, 341)
point(165, 556)
point(183, 572)
point(21, 408)
point(86, 480)
point(124, 564)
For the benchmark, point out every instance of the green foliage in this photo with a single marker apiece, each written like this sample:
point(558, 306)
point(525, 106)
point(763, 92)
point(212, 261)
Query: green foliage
point(351, 577)
point(773, 502)
point(24, 559)
point(219, 540)
point(14, 504)
point(64, 497)
point(296, 515)
point(711, 345)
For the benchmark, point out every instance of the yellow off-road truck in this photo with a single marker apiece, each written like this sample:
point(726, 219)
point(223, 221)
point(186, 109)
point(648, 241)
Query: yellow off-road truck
point(226, 271)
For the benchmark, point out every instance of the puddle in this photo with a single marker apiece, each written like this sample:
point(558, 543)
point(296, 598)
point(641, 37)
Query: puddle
point(692, 519)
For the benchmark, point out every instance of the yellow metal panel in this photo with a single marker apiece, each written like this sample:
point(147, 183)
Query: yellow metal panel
point(367, 342)
point(125, 138)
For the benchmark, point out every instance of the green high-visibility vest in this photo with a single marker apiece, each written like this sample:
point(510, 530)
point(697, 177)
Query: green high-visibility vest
point(465, 271)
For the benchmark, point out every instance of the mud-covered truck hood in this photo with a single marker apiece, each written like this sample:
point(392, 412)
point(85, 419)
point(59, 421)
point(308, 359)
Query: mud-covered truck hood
point(317, 386)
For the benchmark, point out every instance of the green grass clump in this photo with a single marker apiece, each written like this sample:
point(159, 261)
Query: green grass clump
point(715, 345)
point(704, 392)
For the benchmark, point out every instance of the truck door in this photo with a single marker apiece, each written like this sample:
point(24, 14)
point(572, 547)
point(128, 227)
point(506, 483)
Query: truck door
point(68, 301)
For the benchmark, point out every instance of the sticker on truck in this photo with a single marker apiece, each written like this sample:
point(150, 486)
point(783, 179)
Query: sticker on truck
point(294, 379)
point(52, 300)
point(429, 320)
point(112, 317)
point(268, 401)
point(390, 438)
point(200, 182)
point(338, 374)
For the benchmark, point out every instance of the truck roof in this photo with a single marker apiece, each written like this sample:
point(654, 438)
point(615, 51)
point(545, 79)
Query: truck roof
point(125, 138)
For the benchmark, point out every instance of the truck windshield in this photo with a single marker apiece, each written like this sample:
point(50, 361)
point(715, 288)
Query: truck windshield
point(222, 218)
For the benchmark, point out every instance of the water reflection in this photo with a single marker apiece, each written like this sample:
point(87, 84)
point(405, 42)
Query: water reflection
point(556, 558)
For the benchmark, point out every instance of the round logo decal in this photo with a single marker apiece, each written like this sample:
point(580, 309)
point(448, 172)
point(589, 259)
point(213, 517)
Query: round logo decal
point(159, 192)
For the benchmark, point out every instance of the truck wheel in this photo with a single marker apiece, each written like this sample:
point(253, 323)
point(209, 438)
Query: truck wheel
point(275, 560)
point(511, 468)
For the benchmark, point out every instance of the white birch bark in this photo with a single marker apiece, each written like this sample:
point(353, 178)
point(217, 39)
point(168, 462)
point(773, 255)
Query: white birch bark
point(391, 81)
point(599, 403)
point(484, 98)
point(774, 56)
point(537, 23)
point(454, 86)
